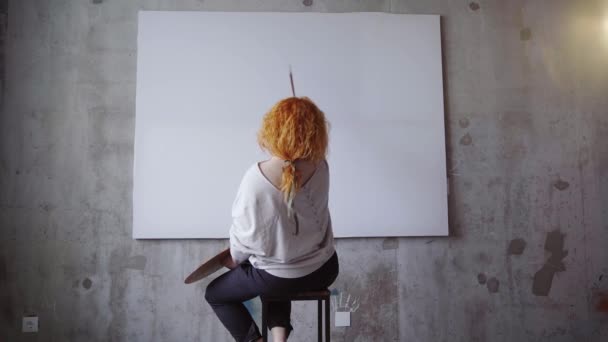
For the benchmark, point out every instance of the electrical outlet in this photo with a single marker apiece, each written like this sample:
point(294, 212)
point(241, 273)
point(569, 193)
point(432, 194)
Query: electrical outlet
point(342, 319)
point(30, 324)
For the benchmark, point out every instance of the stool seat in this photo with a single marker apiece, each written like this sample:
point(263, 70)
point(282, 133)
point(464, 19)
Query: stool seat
point(320, 296)
point(304, 295)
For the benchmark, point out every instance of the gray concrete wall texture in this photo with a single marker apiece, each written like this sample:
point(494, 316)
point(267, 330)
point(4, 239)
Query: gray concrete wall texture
point(526, 85)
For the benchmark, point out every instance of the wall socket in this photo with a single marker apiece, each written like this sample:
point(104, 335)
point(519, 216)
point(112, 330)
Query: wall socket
point(342, 319)
point(30, 324)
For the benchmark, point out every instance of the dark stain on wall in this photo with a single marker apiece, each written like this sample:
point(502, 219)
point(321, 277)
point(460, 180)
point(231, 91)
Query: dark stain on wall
point(481, 278)
point(46, 206)
point(516, 247)
point(466, 140)
point(97, 1)
point(495, 181)
point(307, 3)
point(87, 283)
point(474, 6)
point(583, 157)
point(137, 262)
point(599, 299)
point(525, 34)
point(602, 305)
point(483, 258)
point(390, 243)
point(561, 185)
point(543, 279)
point(493, 285)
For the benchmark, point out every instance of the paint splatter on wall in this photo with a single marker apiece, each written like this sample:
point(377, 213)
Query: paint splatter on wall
point(543, 279)
point(516, 247)
point(493, 285)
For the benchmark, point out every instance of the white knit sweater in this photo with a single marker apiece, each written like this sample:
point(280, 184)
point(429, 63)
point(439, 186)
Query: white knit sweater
point(263, 232)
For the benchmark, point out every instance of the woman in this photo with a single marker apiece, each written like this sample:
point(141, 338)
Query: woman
point(281, 238)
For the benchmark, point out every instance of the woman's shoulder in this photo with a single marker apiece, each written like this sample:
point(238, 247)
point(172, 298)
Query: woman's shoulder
point(324, 163)
point(252, 170)
point(253, 182)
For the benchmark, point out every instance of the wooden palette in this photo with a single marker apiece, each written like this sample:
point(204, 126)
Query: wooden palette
point(210, 266)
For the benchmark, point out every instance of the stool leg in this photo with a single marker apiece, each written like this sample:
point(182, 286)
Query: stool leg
point(327, 321)
point(264, 313)
point(319, 321)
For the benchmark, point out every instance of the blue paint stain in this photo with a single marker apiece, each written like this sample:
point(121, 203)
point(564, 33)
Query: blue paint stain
point(251, 307)
point(254, 306)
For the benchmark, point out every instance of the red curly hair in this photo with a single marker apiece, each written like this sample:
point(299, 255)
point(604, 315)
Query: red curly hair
point(294, 128)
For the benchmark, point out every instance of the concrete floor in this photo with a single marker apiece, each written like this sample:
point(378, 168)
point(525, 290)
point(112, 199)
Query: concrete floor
point(527, 135)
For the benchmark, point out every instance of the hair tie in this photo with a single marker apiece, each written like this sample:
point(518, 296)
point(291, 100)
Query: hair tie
point(292, 190)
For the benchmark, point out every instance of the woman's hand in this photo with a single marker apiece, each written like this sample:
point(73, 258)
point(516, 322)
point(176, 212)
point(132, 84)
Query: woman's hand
point(228, 262)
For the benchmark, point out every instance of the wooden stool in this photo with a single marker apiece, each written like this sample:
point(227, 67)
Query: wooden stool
point(319, 296)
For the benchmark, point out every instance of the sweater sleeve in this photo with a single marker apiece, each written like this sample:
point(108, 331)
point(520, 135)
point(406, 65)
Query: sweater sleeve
point(247, 233)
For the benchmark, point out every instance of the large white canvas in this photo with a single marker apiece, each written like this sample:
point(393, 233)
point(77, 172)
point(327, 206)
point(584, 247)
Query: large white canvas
point(205, 79)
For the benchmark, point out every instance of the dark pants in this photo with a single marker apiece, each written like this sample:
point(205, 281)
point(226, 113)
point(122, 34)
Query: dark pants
point(227, 293)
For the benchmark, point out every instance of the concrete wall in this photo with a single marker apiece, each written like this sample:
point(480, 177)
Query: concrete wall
point(527, 134)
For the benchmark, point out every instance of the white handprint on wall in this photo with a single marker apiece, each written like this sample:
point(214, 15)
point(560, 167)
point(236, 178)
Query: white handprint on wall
point(345, 302)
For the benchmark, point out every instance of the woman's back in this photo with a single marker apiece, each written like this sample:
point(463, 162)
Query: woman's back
point(273, 170)
point(286, 245)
